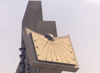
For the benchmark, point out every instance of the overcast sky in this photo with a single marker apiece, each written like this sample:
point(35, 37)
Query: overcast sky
point(78, 18)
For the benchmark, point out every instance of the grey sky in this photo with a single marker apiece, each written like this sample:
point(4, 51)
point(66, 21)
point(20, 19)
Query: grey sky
point(80, 19)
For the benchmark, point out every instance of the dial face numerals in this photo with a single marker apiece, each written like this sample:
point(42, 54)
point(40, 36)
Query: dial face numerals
point(60, 50)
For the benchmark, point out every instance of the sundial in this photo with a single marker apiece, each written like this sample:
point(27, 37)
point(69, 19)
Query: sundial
point(47, 51)
point(53, 49)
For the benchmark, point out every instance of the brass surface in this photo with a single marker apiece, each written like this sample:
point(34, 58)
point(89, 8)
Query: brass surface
point(59, 51)
point(44, 64)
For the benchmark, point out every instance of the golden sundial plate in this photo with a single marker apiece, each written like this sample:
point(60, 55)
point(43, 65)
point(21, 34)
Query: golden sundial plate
point(58, 51)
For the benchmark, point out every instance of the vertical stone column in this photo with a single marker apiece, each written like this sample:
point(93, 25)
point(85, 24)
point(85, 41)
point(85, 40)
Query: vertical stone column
point(32, 15)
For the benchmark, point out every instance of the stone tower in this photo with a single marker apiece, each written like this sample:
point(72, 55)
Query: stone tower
point(33, 21)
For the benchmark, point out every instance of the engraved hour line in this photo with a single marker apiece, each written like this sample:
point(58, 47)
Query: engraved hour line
point(51, 52)
point(62, 53)
point(44, 52)
point(43, 47)
point(65, 47)
point(47, 50)
point(65, 43)
point(55, 52)
point(65, 52)
point(50, 48)
point(58, 53)
point(62, 40)
point(40, 43)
